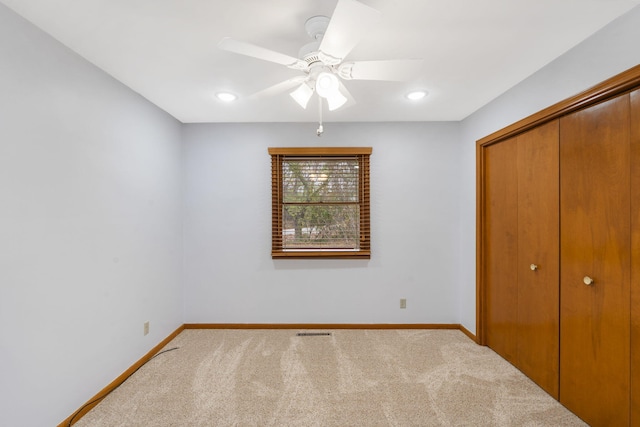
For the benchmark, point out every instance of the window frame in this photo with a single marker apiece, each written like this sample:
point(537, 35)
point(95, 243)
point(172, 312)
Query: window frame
point(362, 154)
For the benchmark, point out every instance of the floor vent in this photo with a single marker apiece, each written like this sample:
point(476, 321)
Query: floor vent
point(313, 334)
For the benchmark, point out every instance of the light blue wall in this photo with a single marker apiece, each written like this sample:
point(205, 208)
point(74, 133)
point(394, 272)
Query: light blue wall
point(608, 52)
point(90, 227)
point(229, 273)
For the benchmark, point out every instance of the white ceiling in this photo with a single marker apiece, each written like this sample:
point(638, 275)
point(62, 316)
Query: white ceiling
point(474, 50)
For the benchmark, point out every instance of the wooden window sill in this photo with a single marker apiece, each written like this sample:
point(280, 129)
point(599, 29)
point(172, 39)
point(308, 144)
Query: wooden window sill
point(322, 254)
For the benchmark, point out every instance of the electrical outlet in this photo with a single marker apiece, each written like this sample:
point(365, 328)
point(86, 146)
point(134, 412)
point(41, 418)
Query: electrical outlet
point(403, 303)
point(146, 327)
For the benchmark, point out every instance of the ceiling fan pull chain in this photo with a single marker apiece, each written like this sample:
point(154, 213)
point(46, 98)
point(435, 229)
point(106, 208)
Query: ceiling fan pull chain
point(320, 129)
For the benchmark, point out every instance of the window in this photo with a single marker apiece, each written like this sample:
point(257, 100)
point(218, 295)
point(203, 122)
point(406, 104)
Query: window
point(320, 202)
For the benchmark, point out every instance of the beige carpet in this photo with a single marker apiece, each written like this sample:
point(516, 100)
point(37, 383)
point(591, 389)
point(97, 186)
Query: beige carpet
point(351, 378)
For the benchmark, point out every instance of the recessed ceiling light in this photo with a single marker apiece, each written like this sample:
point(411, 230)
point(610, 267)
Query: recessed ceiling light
point(226, 96)
point(416, 95)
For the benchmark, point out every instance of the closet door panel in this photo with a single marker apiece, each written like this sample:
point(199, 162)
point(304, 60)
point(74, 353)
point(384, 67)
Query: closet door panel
point(635, 253)
point(595, 243)
point(501, 246)
point(538, 255)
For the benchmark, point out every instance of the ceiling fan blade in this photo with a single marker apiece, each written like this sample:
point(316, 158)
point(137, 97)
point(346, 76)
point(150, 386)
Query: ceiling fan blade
point(249, 49)
point(278, 88)
point(396, 70)
point(351, 20)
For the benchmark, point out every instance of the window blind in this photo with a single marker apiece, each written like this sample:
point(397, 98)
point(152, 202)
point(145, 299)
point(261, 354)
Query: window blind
point(320, 202)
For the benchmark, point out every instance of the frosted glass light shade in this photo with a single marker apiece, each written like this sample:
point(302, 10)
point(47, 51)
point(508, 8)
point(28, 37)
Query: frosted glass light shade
point(336, 100)
point(302, 95)
point(327, 84)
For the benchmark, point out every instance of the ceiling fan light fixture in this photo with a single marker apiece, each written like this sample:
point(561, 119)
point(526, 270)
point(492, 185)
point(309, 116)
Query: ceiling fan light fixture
point(327, 84)
point(302, 95)
point(416, 95)
point(226, 96)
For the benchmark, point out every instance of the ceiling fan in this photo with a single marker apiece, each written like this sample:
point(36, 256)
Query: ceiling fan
point(322, 60)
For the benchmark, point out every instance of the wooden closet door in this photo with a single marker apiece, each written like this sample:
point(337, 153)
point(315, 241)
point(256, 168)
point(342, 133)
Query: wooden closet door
point(635, 263)
point(501, 248)
point(538, 255)
point(595, 243)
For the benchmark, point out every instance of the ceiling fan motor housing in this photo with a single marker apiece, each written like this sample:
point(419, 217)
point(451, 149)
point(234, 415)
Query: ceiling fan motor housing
point(310, 53)
point(316, 26)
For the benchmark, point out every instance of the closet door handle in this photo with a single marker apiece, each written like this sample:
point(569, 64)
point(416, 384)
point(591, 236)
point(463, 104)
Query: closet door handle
point(588, 280)
point(533, 267)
